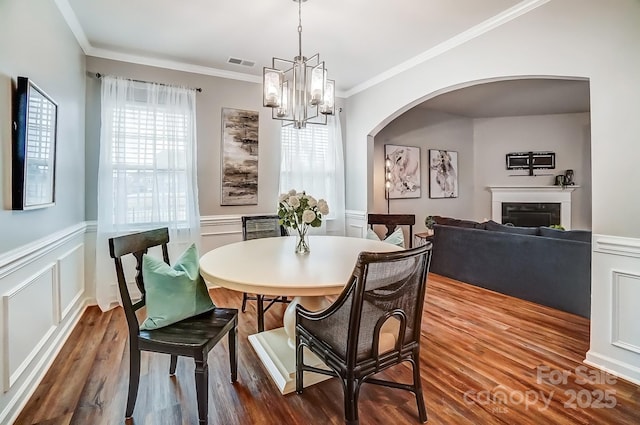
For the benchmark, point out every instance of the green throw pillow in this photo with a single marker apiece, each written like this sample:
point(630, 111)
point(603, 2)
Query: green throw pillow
point(174, 293)
point(396, 238)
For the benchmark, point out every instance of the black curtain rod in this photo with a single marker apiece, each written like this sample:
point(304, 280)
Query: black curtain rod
point(98, 75)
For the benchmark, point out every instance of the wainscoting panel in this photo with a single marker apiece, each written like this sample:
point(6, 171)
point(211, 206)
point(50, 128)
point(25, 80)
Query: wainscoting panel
point(356, 223)
point(42, 287)
point(70, 279)
point(28, 321)
point(615, 295)
point(219, 230)
point(625, 323)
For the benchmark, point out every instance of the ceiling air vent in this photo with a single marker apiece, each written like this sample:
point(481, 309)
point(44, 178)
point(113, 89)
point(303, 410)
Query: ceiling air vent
point(243, 62)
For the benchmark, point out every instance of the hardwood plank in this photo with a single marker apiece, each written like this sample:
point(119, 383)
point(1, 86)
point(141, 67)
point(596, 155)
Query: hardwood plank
point(476, 345)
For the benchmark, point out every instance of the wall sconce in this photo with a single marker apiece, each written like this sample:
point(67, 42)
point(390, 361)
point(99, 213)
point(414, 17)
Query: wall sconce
point(387, 179)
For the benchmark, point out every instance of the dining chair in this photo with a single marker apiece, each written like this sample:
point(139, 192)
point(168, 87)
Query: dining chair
point(392, 221)
point(192, 337)
point(256, 227)
point(373, 325)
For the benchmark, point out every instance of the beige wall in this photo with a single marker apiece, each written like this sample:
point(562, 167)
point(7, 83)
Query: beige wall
point(581, 39)
point(427, 129)
point(35, 42)
point(570, 38)
point(216, 94)
point(568, 135)
point(482, 145)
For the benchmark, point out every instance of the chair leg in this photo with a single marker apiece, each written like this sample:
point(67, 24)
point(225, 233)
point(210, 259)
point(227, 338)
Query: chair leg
point(174, 363)
point(233, 352)
point(260, 305)
point(351, 393)
point(202, 389)
point(417, 385)
point(244, 301)
point(299, 363)
point(134, 378)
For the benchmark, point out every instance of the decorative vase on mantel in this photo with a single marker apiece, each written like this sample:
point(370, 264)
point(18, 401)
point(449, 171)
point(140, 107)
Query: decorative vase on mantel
point(302, 240)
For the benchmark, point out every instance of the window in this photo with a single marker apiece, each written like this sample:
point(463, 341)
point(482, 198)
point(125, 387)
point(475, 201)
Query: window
point(147, 173)
point(311, 160)
point(147, 176)
point(149, 164)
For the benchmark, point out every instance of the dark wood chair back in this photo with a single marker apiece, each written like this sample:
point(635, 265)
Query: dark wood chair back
point(262, 226)
point(391, 221)
point(192, 337)
point(256, 227)
point(374, 324)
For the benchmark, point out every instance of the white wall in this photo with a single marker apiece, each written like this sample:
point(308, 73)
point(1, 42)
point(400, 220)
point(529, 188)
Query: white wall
point(427, 129)
point(35, 42)
point(568, 135)
point(42, 252)
point(569, 38)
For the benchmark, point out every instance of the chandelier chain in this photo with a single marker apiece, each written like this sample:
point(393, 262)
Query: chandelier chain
point(300, 28)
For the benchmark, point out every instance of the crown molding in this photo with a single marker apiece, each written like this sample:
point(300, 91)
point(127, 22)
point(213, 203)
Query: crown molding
point(455, 41)
point(473, 32)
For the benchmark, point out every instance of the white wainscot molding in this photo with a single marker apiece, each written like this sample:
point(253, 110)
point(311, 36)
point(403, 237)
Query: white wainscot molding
point(42, 287)
point(615, 307)
point(29, 320)
point(219, 230)
point(533, 194)
point(356, 223)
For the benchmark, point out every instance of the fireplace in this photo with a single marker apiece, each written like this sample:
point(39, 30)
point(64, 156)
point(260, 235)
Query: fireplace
point(531, 214)
point(539, 205)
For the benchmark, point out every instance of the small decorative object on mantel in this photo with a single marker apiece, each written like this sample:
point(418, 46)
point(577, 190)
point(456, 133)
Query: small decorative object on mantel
point(565, 179)
point(568, 178)
point(299, 211)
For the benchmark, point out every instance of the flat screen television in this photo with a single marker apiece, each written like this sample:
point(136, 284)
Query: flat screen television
point(35, 123)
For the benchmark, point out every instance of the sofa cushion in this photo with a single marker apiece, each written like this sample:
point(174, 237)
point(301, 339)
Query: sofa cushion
point(497, 227)
point(396, 238)
point(448, 221)
point(573, 235)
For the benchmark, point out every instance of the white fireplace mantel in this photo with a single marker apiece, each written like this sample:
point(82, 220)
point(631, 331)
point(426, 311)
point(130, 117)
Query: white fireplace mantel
point(552, 194)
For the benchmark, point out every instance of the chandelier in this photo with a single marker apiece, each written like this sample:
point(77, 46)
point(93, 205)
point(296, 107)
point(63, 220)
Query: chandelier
point(298, 91)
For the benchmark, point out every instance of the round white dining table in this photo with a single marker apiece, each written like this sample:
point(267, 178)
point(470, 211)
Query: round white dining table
point(269, 266)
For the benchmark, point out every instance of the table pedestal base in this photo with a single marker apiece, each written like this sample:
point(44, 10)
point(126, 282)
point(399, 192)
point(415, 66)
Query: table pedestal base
point(280, 360)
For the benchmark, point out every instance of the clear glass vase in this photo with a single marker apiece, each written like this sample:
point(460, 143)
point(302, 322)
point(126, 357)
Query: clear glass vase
point(302, 241)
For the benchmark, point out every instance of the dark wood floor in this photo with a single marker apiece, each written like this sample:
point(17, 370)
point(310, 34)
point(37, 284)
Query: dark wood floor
point(486, 359)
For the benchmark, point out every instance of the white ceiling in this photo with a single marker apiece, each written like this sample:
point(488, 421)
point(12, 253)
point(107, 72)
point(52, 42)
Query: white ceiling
point(515, 98)
point(362, 42)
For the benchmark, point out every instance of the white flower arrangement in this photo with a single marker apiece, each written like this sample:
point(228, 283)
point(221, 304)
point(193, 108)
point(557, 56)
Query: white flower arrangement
point(298, 211)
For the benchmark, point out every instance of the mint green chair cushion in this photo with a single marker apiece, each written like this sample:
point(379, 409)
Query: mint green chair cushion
point(396, 238)
point(174, 292)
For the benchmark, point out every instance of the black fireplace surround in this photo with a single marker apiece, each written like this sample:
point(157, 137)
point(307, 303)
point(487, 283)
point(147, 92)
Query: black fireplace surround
point(531, 214)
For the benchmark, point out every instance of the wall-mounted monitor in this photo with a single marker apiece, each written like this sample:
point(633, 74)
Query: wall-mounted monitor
point(531, 161)
point(35, 119)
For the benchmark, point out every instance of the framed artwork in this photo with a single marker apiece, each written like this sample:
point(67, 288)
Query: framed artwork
point(239, 157)
point(402, 171)
point(35, 125)
point(443, 174)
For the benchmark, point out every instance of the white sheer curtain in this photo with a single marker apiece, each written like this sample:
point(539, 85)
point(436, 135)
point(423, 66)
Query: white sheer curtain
point(312, 160)
point(147, 175)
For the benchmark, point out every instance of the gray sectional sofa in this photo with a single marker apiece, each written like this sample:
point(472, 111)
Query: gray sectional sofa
point(542, 265)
